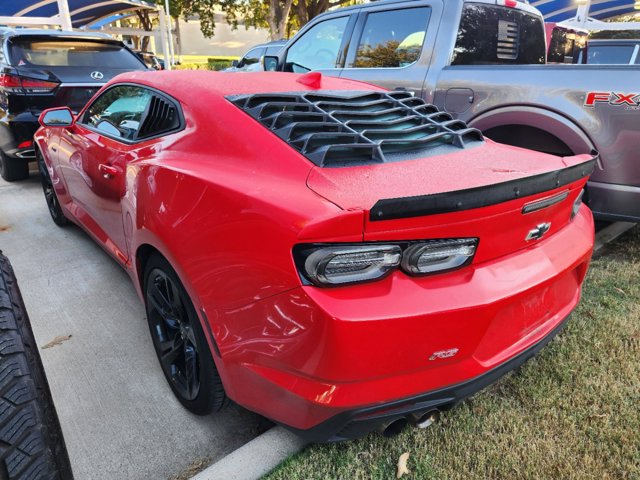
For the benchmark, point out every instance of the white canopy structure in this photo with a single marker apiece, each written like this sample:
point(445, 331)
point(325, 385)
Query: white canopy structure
point(80, 14)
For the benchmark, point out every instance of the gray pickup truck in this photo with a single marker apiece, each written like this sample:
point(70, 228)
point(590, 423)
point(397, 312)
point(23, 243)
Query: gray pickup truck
point(484, 62)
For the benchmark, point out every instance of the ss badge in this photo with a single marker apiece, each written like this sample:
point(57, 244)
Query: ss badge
point(443, 354)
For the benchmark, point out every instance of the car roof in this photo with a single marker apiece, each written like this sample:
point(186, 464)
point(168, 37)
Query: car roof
point(185, 85)
point(613, 40)
point(41, 32)
point(273, 43)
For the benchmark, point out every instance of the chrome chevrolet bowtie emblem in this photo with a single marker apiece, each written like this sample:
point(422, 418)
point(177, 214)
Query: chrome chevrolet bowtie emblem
point(97, 75)
point(538, 232)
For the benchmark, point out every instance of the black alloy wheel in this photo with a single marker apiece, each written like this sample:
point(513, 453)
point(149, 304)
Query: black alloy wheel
point(173, 334)
point(179, 341)
point(53, 204)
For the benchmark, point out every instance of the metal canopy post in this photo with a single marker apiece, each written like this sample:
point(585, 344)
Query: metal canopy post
point(65, 15)
point(164, 39)
point(169, 30)
point(582, 14)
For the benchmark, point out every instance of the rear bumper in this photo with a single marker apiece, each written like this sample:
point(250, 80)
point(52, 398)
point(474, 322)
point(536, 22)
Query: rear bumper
point(20, 128)
point(613, 202)
point(335, 363)
point(357, 423)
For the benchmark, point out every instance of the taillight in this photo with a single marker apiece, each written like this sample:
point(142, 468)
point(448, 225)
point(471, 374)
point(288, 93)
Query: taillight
point(576, 205)
point(508, 3)
point(333, 265)
point(437, 256)
point(351, 263)
point(25, 144)
point(18, 85)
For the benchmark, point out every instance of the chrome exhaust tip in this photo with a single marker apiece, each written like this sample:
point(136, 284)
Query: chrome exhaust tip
point(30, 153)
point(392, 428)
point(424, 419)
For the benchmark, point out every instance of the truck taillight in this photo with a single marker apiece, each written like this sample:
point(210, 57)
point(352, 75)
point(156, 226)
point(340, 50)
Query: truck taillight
point(25, 86)
point(508, 3)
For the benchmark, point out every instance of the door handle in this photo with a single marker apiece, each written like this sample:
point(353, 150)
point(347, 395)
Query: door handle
point(107, 171)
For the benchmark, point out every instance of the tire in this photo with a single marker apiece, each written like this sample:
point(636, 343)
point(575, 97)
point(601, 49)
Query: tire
point(179, 340)
point(13, 169)
point(31, 441)
point(50, 197)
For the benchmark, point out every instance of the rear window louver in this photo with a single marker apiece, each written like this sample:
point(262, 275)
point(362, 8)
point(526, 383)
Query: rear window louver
point(508, 40)
point(353, 128)
point(162, 117)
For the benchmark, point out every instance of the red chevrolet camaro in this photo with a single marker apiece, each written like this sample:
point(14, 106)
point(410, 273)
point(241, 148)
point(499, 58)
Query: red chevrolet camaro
point(334, 256)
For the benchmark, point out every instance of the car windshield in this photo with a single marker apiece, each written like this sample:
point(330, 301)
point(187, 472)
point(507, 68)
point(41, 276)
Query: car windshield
point(609, 54)
point(71, 53)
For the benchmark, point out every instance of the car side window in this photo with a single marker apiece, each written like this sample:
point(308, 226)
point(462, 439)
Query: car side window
point(273, 50)
point(251, 57)
point(118, 112)
point(318, 47)
point(392, 38)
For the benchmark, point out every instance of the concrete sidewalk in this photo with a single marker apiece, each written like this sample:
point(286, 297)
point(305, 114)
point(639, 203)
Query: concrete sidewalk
point(120, 419)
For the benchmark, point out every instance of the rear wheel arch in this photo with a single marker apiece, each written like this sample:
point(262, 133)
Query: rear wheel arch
point(534, 128)
point(143, 253)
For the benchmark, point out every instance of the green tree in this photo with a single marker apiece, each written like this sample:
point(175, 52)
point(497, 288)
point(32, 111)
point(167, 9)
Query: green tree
point(306, 10)
point(279, 16)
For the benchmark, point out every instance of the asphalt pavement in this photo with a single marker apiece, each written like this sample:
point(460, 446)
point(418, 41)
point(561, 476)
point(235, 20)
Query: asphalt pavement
point(119, 417)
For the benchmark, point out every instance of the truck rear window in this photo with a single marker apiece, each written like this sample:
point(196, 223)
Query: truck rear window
point(609, 54)
point(25, 52)
point(494, 35)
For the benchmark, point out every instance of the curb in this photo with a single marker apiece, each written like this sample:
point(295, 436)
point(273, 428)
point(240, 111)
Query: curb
point(255, 458)
point(610, 233)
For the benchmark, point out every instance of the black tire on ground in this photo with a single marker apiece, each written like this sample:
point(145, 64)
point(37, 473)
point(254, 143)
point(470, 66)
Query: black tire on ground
point(13, 169)
point(50, 197)
point(31, 442)
point(171, 335)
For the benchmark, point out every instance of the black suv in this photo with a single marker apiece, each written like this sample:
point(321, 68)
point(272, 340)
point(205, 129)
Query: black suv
point(41, 69)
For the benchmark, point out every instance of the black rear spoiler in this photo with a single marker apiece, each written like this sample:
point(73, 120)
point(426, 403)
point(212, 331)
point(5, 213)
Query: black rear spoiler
point(405, 207)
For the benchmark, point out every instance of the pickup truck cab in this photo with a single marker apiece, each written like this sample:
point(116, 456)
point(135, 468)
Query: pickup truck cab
point(611, 52)
point(485, 63)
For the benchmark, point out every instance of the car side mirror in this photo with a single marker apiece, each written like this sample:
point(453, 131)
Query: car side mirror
point(57, 117)
point(234, 63)
point(270, 63)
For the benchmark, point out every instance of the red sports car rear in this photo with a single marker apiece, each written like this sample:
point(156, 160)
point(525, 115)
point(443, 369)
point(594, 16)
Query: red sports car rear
point(333, 256)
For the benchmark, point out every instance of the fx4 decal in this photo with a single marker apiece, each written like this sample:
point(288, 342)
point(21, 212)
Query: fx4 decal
point(629, 100)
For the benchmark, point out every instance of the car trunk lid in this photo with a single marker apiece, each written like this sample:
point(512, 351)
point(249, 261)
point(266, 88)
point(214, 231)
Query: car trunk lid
point(497, 193)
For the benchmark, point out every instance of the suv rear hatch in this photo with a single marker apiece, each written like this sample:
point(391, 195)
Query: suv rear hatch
point(419, 174)
point(50, 71)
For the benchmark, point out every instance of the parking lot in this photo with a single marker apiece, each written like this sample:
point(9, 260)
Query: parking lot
point(119, 417)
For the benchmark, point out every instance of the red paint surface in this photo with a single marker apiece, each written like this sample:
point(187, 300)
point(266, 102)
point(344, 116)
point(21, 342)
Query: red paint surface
point(225, 201)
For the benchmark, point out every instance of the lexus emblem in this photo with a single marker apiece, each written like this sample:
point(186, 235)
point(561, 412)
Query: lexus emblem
point(538, 232)
point(97, 75)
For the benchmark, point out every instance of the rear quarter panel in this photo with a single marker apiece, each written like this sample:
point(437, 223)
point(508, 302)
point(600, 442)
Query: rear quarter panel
point(225, 200)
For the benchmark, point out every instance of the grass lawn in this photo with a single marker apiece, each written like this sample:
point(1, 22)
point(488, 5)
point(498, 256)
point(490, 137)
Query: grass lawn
point(572, 412)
